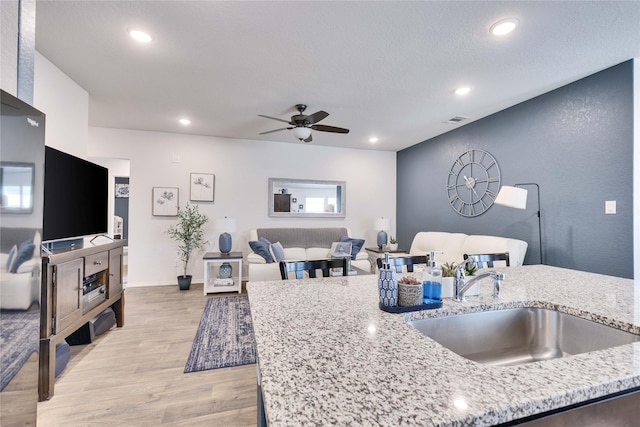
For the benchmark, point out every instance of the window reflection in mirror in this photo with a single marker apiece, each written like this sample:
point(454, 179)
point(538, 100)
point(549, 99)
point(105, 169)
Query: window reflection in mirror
point(306, 198)
point(16, 182)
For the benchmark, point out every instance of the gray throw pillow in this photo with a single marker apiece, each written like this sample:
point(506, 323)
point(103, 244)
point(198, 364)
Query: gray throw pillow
point(356, 245)
point(277, 251)
point(261, 247)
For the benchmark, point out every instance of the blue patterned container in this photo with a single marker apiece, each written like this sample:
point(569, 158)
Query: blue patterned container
point(388, 287)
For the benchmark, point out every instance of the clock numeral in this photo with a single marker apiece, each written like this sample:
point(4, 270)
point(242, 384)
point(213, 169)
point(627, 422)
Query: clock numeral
point(471, 210)
point(493, 179)
point(459, 162)
point(491, 194)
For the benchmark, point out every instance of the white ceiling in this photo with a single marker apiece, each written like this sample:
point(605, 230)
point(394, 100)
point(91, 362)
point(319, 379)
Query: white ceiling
point(385, 69)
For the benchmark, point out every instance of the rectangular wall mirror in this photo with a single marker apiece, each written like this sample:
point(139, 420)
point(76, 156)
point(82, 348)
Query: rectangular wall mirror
point(305, 198)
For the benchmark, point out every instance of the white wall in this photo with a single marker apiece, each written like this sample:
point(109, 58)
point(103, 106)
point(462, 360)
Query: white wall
point(636, 168)
point(66, 105)
point(9, 11)
point(242, 169)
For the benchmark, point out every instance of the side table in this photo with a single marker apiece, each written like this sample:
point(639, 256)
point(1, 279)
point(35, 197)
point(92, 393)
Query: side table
point(211, 273)
point(375, 253)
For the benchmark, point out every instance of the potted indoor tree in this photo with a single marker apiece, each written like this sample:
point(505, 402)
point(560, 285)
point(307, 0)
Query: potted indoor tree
point(189, 233)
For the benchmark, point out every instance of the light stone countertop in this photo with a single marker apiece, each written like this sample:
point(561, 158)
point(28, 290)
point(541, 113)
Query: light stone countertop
point(328, 355)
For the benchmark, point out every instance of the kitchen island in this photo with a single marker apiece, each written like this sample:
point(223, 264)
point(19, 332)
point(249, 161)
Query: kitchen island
point(329, 356)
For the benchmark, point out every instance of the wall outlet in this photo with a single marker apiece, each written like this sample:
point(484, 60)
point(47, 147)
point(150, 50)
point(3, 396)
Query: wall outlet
point(610, 207)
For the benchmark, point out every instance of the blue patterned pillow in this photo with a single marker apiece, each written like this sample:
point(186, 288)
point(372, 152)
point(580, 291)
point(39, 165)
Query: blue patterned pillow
point(277, 251)
point(356, 245)
point(261, 247)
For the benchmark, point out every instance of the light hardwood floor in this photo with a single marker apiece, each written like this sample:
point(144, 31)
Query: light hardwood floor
point(133, 376)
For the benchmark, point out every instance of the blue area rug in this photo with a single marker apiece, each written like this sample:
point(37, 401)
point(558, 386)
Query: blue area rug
point(19, 339)
point(224, 337)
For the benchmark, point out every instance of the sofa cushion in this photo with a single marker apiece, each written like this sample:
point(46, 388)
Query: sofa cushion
point(277, 251)
point(261, 247)
point(356, 245)
point(303, 237)
point(317, 253)
point(295, 254)
point(25, 253)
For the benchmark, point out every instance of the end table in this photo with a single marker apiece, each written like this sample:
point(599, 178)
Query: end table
point(212, 282)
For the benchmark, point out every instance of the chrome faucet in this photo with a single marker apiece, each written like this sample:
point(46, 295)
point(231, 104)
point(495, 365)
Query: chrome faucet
point(461, 285)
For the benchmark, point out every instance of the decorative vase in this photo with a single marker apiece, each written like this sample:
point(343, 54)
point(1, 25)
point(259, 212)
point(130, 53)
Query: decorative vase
point(409, 295)
point(382, 238)
point(184, 282)
point(225, 270)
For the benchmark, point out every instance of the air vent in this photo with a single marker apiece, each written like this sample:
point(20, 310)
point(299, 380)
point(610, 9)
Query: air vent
point(456, 119)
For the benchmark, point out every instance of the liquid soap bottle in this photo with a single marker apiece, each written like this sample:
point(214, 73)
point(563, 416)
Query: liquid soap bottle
point(432, 280)
point(387, 284)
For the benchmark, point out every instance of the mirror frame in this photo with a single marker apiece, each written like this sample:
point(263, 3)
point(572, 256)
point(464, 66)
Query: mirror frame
point(284, 182)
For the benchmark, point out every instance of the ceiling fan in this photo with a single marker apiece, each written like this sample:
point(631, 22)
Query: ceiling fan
point(303, 124)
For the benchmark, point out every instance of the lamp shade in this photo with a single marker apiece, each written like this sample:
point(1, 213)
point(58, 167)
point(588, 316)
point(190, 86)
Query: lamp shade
point(301, 132)
point(383, 224)
point(513, 197)
point(226, 225)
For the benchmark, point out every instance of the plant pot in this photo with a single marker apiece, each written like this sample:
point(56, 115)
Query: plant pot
point(184, 282)
point(393, 246)
point(409, 295)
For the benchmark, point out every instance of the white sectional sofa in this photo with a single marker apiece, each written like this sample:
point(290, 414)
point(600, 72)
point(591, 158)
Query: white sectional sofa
point(19, 268)
point(455, 245)
point(299, 244)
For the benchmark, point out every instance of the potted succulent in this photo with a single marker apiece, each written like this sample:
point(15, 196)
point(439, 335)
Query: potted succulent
point(393, 244)
point(409, 291)
point(189, 233)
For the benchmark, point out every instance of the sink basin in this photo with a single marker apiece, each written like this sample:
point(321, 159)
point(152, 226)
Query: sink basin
point(520, 335)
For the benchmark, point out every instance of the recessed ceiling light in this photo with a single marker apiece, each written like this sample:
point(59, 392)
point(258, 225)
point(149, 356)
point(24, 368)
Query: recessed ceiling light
point(185, 121)
point(140, 36)
point(462, 90)
point(504, 26)
point(373, 140)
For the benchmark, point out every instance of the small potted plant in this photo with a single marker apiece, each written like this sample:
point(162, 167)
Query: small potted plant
point(393, 244)
point(189, 233)
point(409, 291)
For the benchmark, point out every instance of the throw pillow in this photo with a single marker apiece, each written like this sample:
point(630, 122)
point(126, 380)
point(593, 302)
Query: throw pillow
point(12, 255)
point(261, 247)
point(340, 249)
point(25, 253)
point(356, 245)
point(277, 251)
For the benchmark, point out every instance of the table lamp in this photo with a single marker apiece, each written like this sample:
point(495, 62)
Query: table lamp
point(382, 224)
point(226, 226)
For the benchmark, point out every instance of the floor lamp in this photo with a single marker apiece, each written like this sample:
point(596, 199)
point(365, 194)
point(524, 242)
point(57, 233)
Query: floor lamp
point(516, 197)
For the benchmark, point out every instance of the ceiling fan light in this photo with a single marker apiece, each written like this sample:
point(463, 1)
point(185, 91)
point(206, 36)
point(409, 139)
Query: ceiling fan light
point(301, 133)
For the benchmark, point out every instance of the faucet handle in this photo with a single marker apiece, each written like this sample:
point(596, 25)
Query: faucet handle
point(497, 284)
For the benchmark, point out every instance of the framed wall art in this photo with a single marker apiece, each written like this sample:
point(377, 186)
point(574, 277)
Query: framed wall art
point(202, 187)
point(165, 201)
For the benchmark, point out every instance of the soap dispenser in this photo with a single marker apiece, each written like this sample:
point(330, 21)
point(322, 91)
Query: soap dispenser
point(387, 284)
point(432, 280)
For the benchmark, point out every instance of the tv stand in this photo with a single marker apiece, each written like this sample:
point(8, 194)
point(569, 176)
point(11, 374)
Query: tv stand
point(67, 303)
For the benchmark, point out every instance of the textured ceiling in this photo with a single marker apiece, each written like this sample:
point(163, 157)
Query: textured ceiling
point(385, 69)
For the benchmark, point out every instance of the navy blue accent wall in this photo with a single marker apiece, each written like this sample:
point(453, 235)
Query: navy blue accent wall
point(576, 142)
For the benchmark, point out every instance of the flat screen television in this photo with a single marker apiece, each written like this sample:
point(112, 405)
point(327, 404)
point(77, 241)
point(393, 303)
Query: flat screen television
point(75, 197)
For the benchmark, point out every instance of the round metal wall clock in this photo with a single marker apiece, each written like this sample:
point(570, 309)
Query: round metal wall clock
point(473, 183)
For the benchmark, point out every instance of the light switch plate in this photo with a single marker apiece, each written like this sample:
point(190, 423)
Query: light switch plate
point(610, 207)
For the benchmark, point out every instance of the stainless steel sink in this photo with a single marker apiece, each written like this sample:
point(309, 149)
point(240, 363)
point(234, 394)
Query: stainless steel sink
point(520, 335)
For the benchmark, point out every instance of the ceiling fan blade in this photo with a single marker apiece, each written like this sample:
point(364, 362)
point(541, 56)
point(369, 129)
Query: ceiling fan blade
point(271, 131)
point(274, 118)
point(317, 116)
point(325, 128)
point(309, 139)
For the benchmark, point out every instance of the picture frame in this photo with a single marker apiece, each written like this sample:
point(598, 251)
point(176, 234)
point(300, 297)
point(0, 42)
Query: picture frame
point(165, 201)
point(202, 186)
point(122, 191)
